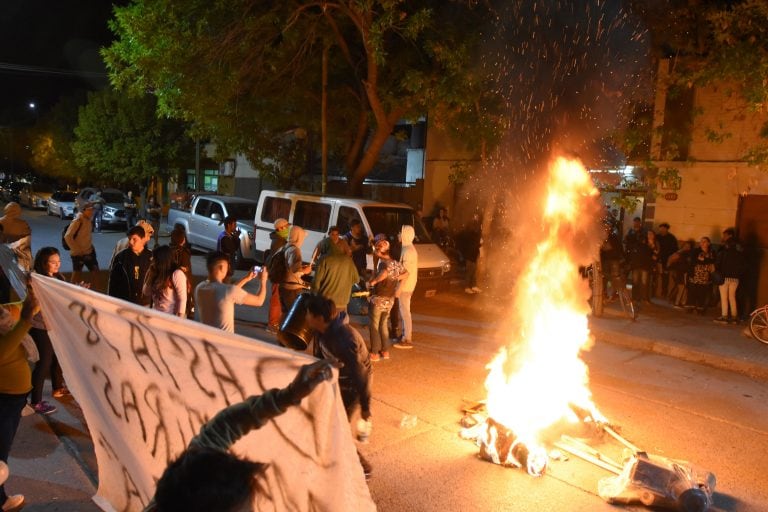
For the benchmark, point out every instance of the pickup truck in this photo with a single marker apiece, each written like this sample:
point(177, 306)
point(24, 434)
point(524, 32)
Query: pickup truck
point(203, 222)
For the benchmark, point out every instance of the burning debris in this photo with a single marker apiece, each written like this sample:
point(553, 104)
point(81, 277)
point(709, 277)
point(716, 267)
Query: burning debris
point(551, 332)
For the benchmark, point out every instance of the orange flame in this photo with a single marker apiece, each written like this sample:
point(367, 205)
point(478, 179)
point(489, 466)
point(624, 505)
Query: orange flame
point(533, 381)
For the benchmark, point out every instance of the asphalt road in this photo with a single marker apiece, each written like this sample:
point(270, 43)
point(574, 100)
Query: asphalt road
point(715, 419)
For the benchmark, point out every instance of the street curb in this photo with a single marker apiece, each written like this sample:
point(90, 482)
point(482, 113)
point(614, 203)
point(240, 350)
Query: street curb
point(684, 352)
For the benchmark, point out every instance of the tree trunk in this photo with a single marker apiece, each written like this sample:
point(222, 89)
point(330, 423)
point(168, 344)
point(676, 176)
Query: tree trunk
point(370, 157)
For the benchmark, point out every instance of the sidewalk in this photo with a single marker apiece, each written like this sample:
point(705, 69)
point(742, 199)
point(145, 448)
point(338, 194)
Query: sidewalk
point(661, 329)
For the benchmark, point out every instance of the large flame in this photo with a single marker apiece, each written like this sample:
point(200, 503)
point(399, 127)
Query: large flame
point(534, 382)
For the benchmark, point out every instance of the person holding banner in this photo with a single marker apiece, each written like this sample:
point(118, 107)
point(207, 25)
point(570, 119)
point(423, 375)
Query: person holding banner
point(16, 230)
point(206, 477)
point(215, 299)
point(15, 384)
point(47, 263)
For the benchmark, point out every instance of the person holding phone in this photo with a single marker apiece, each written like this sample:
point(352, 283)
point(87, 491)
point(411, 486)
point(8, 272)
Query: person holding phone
point(215, 299)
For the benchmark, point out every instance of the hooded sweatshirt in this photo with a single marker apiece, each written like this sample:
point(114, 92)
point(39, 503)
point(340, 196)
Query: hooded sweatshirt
point(82, 243)
point(14, 227)
point(409, 259)
point(293, 259)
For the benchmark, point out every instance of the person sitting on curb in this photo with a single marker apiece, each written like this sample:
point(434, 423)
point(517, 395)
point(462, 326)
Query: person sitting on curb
point(206, 476)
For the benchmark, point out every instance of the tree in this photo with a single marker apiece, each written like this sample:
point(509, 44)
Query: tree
point(52, 144)
point(713, 41)
point(246, 73)
point(119, 139)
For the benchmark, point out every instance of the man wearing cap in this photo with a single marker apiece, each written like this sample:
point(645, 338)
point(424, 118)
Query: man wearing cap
point(229, 241)
point(279, 237)
point(122, 244)
point(667, 247)
point(80, 240)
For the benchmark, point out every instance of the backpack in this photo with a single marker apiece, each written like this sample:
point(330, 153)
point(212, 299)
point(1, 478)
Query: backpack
point(277, 266)
point(64, 242)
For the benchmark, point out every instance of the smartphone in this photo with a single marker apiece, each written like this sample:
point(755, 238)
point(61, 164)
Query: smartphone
point(257, 268)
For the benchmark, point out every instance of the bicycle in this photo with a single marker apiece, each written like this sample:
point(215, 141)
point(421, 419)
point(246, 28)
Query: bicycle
point(758, 324)
point(619, 285)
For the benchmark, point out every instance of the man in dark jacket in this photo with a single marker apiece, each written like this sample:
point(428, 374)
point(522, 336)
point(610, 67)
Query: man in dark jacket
point(229, 242)
point(337, 341)
point(468, 242)
point(126, 276)
point(667, 247)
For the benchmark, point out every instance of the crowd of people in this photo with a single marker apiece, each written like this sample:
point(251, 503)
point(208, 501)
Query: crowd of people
point(691, 276)
point(160, 278)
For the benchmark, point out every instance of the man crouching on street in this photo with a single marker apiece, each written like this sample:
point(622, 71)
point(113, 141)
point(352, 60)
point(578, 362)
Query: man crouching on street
point(207, 477)
point(338, 341)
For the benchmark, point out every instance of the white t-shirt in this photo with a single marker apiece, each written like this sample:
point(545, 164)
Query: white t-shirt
point(215, 304)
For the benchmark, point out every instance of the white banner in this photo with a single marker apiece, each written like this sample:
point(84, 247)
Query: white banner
point(147, 381)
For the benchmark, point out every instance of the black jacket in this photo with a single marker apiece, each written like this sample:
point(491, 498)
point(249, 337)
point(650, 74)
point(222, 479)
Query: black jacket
point(126, 277)
point(730, 260)
point(342, 342)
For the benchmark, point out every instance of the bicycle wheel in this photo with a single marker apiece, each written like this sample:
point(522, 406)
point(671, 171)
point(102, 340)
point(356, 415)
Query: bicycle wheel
point(627, 305)
point(758, 325)
point(596, 301)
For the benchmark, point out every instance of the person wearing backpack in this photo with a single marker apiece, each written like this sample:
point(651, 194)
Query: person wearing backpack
point(293, 284)
point(78, 237)
point(279, 237)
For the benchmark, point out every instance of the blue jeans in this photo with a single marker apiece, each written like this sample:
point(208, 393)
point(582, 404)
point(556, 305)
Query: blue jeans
point(379, 329)
point(405, 314)
point(10, 415)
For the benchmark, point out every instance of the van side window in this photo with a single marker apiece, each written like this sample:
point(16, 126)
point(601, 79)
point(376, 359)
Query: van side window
point(275, 208)
point(312, 216)
point(346, 215)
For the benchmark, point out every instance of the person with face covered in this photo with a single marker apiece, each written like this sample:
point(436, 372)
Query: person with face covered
point(293, 284)
point(385, 283)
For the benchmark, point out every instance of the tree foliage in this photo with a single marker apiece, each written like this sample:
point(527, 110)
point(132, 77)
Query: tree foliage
point(52, 142)
point(119, 139)
point(247, 74)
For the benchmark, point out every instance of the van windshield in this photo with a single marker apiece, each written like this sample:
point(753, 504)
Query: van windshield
point(389, 220)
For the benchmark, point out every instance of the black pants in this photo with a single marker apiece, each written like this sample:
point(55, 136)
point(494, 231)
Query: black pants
point(89, 260)
point(48, 365)
point(10, 415)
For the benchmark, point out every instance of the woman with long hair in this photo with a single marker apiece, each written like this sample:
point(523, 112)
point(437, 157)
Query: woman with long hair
point(166, 283)
point(47, 263)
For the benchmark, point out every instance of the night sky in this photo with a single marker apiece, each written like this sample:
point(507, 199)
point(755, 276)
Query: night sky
point(52, 37)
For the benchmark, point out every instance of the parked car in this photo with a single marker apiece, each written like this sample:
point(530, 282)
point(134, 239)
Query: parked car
point(62, 204)
point(203, 223)
point(11, 191)
point(113, 211)
point(35, 195)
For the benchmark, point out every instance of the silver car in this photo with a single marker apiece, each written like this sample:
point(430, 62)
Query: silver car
point(35, 195)
point(62, 204)
point(113, 211)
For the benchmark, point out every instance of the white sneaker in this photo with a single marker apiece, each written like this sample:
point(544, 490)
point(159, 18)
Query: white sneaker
point(3, 472)
point(13, 503)
point(469, 291)
point(27, 410)
point(476, 289)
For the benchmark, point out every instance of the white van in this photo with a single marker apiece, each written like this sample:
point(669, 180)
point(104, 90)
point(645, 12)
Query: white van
point(316, 213)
